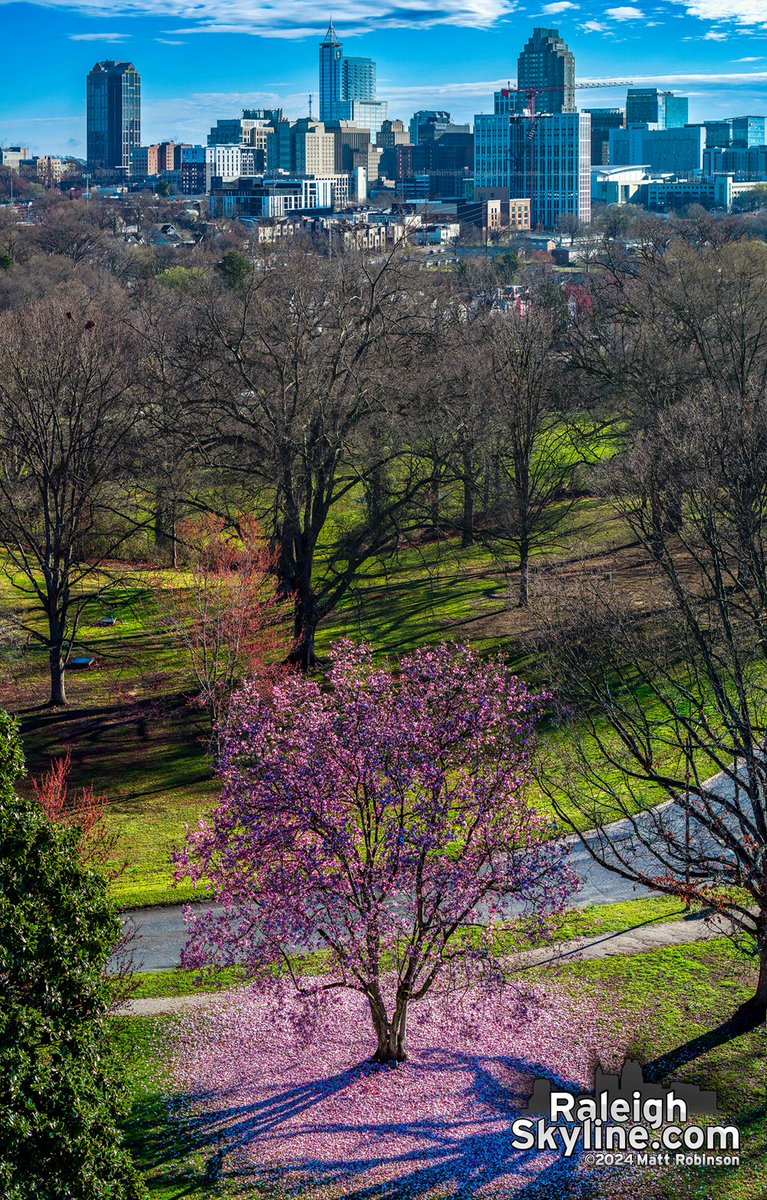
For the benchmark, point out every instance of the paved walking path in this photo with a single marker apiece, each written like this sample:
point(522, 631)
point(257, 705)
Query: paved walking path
point(649, 936)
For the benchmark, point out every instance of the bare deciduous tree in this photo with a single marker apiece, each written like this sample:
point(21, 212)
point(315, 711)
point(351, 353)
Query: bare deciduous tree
point(539, 440)
point(68, 412)
point(308, 372)
point(674, 692)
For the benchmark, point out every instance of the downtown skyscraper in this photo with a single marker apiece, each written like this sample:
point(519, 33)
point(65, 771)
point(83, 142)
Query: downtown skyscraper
point(348, 86)
point(331, 76)
point(113, 115)
point(547, 67)
point(536, 145)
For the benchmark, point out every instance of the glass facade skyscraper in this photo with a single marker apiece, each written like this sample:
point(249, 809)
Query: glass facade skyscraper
point(331, 76)
point(547, 65)
point(113, 115)
point(348, 86)
point(358, 79)
point(651, 106)
point(602, 121)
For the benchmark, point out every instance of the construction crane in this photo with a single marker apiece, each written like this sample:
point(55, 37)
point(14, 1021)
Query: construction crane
point(532, 93)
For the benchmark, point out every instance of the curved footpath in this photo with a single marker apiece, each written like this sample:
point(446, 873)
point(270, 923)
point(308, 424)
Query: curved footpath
point(650, 936)
point(157, 935)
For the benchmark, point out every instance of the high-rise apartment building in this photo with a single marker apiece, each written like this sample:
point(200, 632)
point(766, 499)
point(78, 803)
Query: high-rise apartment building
point(265, 130)
point(155, 159)
point(546, 158)
point(547, 65)
point(113, 115)
point(659, 109)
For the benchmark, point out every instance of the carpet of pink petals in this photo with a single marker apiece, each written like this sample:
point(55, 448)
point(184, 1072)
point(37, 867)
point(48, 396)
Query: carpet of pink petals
point(286, 1096)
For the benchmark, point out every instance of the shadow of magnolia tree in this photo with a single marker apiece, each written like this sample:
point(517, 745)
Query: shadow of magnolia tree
point(274, 1102)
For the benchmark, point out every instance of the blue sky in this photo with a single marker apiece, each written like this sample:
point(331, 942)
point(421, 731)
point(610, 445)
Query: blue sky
point(204, 59)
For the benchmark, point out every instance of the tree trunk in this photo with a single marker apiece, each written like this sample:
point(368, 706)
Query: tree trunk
point(524, 575)
point(760, 995)
point(435, 503)
point(305, 625)
point(467, 516)
point(758, 1002)
point(391, 1034)
point(165, 525)
point(58, 687)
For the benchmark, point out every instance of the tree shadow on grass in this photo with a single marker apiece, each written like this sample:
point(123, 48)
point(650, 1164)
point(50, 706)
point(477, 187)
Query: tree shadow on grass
point(466, 1154)
point(744, 1020)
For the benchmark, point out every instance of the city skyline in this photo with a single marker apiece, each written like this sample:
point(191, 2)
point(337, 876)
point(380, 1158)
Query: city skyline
point(199, 74)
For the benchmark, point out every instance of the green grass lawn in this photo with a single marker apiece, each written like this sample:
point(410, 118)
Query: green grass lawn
point(163, 1151)
point(668, 996)
point(134, 735)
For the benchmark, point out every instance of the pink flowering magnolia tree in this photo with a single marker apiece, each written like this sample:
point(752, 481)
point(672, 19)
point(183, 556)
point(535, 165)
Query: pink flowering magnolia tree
point(384, 821)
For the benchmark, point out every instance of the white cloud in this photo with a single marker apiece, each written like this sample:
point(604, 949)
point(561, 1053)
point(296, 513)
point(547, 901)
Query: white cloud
point(558, 7)
point(302, 18)
point(742, 12)
point(99, 37)
point(715, 35)
point(594, 27)
point(169, 42)
point(750, 59)
point(625, 12)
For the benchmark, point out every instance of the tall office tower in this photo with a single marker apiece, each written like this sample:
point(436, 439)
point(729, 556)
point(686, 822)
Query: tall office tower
point(331, 76)
point(348, 87)
point(547, 63)
point(718, 133)
point(358, 79)
point(602, 121)
point(313, 148)
point(643, 107)
point(393, 133)
point(672, 151)
point(546, 158)
point(113, 111)
point(661, 110)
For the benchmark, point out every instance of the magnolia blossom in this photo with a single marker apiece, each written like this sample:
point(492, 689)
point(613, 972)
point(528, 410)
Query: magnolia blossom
point(383, 821)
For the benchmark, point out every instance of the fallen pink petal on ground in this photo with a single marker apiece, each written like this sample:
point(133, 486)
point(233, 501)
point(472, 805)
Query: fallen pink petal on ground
point(286, 1095)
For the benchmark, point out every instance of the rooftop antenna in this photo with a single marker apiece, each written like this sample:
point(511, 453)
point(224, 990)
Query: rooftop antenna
point(310, 105)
